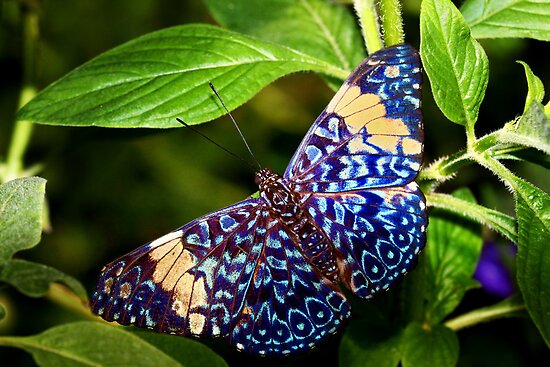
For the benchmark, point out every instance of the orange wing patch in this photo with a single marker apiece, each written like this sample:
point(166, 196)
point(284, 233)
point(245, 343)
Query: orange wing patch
point(411, 146)
point(386, 126)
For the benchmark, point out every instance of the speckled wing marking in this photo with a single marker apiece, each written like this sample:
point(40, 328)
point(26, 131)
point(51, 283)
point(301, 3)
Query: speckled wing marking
point(235, 273)
point(377, 233)
point(370, 135)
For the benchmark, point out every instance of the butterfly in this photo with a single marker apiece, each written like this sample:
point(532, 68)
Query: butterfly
point(266, 273)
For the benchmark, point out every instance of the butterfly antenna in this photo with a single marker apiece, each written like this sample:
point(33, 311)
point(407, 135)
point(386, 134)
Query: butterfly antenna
point(236, 125)
point(213, 142)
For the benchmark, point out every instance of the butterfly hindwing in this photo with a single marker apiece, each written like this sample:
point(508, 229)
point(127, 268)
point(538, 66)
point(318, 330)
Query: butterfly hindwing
point(377, 233)
point(370, 134)
point(290, 306)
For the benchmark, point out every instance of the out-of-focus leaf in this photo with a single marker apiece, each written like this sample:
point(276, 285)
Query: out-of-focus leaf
point(21, 202)
point(508, 18)
point(364, 344)
point(435, 346)
point(454, 61)
point(153, 79)
point(34, 279)
point(452, 249)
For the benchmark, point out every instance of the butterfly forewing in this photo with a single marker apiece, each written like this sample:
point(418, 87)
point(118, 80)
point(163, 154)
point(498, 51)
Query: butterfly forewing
point(370, 134)
point(189, 282)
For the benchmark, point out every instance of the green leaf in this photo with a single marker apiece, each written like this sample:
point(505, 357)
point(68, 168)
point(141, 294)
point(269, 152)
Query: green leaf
point(150, 81)
point(21, 203)
point(188, 352)
point(34, 279)
point(321, 29)
point(365, 344)
point(90, 344)
point(2, 312)
point(436, 346)
point(455, 62)
point(533, 259)
point(508, 18)
point(495, 220)
point(531, 130)
point(535, 88)
point(452, 250)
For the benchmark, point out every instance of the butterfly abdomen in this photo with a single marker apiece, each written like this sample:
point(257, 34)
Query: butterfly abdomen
point(286, 205)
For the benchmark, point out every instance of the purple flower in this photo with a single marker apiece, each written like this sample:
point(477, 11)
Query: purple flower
point(492, 270)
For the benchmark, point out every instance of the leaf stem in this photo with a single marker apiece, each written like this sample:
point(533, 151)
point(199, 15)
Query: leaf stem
point(368, 20)
point(392, 22)
point(22, 130)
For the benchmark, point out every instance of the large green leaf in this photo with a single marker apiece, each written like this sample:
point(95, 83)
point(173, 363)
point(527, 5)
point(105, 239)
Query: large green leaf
point(318, 28)
point(150, 81)
point(508, 18)
point(454, 61)
point(435, 346)
point(533, 260)
point(21, 203)
point(453, 247)
point(34, 279)
point(95, 344)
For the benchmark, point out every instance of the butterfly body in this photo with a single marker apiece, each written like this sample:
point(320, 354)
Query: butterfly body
point(286, 204)
point(265, 273)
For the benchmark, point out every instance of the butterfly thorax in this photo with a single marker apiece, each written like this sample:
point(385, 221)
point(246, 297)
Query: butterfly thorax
point(286, 205)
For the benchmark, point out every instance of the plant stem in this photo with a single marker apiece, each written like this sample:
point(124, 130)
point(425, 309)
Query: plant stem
point(22, 130)
point(507, 308)
point(445, 167)
point(368, 20)
point(392, 22)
